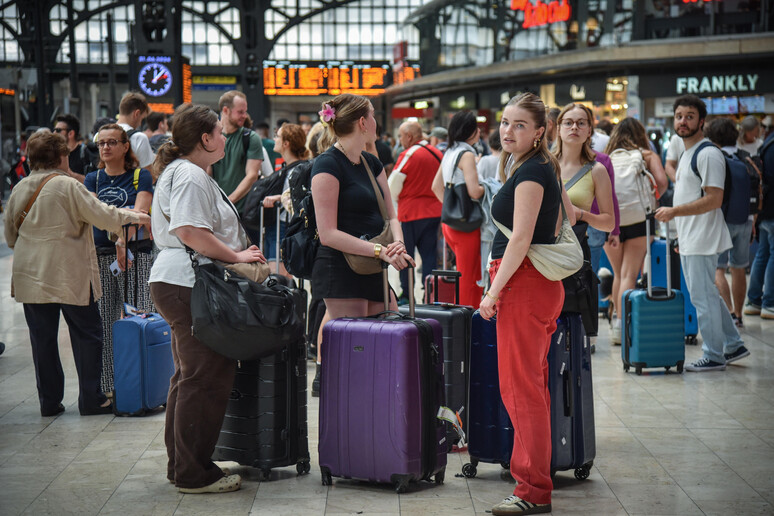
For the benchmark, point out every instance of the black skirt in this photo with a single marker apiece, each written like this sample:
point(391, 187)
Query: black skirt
point(333, 278)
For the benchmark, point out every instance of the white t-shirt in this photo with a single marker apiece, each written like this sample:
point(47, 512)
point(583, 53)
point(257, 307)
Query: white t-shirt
point(140, 146)
point(599, 141)
point(487, 167)
point(705, 234)
point(196, 201)
point(676, 148)
point(752, 148)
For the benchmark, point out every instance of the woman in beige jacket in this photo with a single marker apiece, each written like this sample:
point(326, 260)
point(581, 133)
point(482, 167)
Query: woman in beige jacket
point(55, 270)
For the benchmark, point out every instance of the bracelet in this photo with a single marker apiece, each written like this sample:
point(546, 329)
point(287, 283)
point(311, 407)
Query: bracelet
point(580, 218)
point(377, 250)
point(490, 296)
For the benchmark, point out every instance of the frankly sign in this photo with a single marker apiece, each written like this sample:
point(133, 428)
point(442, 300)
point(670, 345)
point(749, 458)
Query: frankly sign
point(717, 84)
point(539, 14)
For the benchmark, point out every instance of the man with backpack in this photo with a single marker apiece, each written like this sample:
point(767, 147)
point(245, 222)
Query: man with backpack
point(131, 112)
point(82, 159)
point(241, 166)
point(742, 191)
point(760, 294)
point(702, 234)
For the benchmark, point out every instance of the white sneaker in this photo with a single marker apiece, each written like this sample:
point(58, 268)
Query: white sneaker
point(515, 505)
point(615, 331)
point(223, 485)
point(767, 313)
point(751, 309)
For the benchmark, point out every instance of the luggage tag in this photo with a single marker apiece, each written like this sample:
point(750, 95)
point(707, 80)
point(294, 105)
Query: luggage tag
point(115, 269)
point(132, 311)
point(448, 415)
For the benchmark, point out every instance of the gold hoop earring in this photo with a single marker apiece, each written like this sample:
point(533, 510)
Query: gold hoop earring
point(536, 143)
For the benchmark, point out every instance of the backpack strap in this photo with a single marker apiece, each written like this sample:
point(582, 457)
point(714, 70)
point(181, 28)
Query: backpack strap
point(246, 140)
point(136, 180)
point(695, 161)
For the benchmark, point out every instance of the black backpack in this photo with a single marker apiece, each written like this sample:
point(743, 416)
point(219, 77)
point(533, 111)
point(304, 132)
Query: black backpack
point(754, 166)
point(89, 157)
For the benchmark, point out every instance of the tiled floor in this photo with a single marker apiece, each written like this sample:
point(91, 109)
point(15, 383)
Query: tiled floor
point(666, 444)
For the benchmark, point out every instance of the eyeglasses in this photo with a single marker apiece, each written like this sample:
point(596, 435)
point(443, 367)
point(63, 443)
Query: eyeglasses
point(60, 130)
point(109, 143)
point(582, 124)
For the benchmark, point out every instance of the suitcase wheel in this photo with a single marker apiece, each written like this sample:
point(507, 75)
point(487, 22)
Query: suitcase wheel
point(303, 468)
point(469, 470)
point(680, 366)
point(691, 340)
point(582, 473)
point(506, 465)
point(440, 476)
point(327, 479)
point(626, 367)
point(401, 486)
point(264, 475)
point(638, 370)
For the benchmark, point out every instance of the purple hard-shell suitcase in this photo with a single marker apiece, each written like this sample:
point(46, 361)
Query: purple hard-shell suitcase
point(381, 389)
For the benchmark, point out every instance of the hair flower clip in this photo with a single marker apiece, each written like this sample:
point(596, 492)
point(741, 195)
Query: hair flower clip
point(327, 115)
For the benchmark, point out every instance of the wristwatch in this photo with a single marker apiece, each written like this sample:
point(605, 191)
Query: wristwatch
point(377, 250)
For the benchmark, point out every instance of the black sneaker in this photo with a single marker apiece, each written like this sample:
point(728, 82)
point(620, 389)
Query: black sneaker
point(705, 364)
point(736, 355)
point(316, 383)
point(738, 321)
point(515, 505)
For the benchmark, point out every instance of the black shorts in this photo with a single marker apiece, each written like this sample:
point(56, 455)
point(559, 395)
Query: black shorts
point(636, 230)
point(333, 278)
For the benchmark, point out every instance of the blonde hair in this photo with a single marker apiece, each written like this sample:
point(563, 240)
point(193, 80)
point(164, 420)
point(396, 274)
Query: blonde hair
point(349, 109)
point(587, 154)
point(533, 105)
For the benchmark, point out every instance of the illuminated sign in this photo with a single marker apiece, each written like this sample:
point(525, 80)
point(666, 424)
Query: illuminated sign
point(325, 78)
point(539, 14)
point(162, 107)
point(186, 83)
point(716, 83)
point(165, 79)
point(404, 73)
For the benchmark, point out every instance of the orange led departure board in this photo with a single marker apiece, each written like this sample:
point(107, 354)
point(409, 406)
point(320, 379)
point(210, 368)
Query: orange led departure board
point(325, 78)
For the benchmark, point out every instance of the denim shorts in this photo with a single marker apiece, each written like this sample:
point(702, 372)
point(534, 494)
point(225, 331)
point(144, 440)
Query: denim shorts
point(740, 250)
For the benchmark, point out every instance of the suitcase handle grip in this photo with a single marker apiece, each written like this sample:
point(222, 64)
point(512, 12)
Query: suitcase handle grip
point(455, 275)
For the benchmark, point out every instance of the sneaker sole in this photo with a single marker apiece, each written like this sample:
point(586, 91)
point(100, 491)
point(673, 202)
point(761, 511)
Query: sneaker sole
point(705, 369)
point(734, 359)
point(543, 509)
point(751, 311)
point(769, 317)
point(213, 488)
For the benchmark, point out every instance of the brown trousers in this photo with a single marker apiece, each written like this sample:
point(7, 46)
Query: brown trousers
point(198, 393)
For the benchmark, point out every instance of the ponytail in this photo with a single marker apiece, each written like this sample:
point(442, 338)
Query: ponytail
point(167, 153)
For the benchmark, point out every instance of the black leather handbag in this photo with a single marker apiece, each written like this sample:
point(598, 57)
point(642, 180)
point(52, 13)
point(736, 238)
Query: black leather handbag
point(241, 319)
point(298, 249)
point(459, 211)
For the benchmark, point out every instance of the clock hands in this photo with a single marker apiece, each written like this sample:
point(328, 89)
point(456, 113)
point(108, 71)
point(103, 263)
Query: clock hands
point(161, 75)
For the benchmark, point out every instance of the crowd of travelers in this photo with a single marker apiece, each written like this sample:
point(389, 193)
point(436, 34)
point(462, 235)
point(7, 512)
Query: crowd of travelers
point(195, 173)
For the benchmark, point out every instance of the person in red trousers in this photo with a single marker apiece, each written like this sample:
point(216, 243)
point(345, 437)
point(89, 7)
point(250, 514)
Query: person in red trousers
point(458, 165)
point(526, 209)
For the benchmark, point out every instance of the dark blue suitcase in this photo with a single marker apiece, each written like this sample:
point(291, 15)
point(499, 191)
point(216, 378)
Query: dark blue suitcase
point(142, 363)
point(455, 323)
point(573, 435)
point(490, 432)
point(653, 324)
point(573, 440)
point(381, 392)
point(658, 267)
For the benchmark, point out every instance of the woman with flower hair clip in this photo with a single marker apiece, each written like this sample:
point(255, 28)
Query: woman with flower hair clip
point(347, 212)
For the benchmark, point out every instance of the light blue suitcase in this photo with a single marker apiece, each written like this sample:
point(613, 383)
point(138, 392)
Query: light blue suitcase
point(142, 363)
point(653, 325)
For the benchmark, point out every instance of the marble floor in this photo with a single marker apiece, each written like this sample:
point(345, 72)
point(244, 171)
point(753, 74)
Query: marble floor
point(666, 444)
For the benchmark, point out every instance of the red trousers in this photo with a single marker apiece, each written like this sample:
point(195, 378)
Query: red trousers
point(526, 319)
point(467, 252)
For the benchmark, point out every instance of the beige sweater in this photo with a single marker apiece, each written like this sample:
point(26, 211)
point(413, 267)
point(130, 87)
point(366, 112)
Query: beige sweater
point(54, 256)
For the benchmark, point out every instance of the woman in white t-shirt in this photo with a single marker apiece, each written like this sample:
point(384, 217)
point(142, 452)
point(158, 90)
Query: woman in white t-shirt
point(189, 208)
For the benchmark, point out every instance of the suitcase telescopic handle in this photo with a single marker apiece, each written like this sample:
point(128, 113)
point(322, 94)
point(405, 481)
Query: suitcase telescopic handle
point(651, 217)
point(386, 288)
point(126, 264)
point(277, 206)
point(455, 275)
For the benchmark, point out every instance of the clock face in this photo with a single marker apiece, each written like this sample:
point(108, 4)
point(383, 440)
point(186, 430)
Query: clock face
point(155, 79)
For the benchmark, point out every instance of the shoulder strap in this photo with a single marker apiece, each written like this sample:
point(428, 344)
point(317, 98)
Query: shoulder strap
point(32, 200)
point(585, 169)
point(456, 164)
point(434, 154)
point(136, 180)
point(695, 158)
point(377, 191)
point(246, 140)
point(508, 233)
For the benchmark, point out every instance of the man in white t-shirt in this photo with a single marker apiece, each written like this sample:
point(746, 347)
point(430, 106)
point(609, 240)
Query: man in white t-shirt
point(702, 234)
point(131, 112)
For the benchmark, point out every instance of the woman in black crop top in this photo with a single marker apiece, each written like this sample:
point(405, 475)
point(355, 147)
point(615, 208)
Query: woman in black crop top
point(348, 214)
point(527, 304)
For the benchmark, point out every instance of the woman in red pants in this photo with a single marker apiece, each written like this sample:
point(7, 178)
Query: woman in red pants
point(459, 164)
point(527, 303)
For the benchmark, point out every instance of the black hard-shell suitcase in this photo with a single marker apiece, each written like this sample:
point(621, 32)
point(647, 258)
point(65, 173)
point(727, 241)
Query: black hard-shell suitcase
point(456, 321)
point(266, 418)
point(573, 436)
